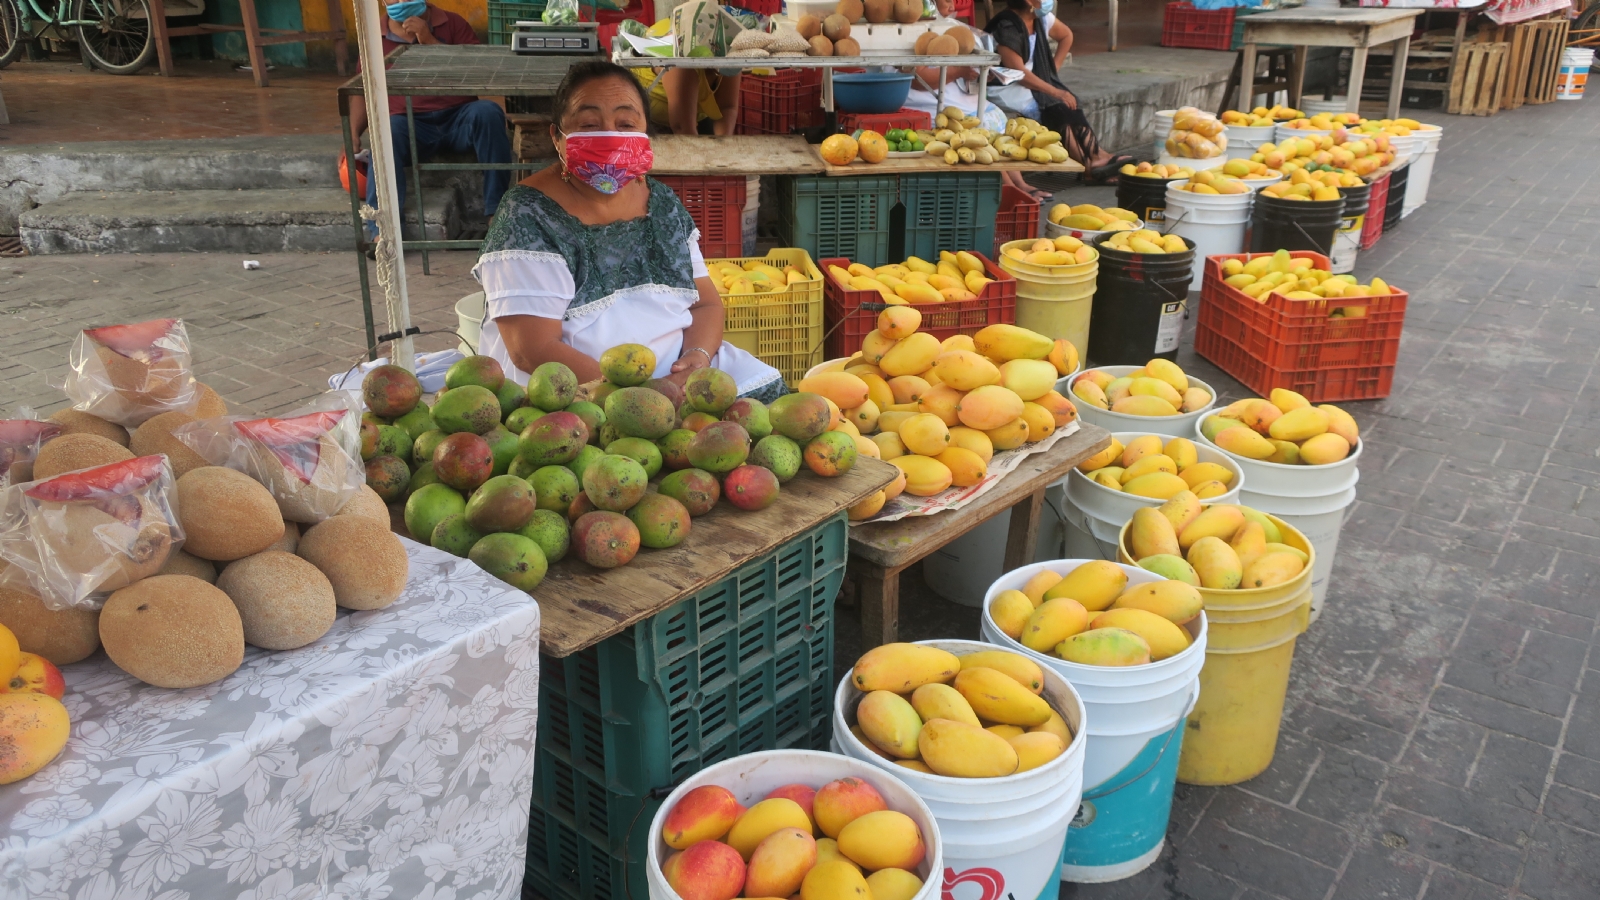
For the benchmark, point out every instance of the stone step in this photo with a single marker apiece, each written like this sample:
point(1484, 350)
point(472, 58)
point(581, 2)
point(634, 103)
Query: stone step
point(243, 221)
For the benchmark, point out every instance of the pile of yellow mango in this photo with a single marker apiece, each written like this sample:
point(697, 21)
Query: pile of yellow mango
point(1220, 547)
point(1298, 279)
point(1304, 185)
point(1146, 241)
point(1091, 616)
point(940, 411)
point(1155, 170)
point(954, 278)
point(1261, 116)
point(1324, 121)
point(1284, 429)
point(1065, 250)
point(978, 715)
point(1088, 217)
point(754, 277)
point(1213, 181)
point(1161, 469)
point(1325, 153)
point(1159, 389)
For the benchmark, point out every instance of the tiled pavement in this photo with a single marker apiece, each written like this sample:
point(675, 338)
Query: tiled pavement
point(1442, 739)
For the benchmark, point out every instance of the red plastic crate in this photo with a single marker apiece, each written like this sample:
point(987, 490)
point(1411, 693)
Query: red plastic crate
point(1293, 343)
point(962, 11)
point(780, 103)
point(759, 7)
point(1018, 218)
point(884, 122)
point(1377, 201)
point(716, 203)
point(1203, 29)
point(851, 315)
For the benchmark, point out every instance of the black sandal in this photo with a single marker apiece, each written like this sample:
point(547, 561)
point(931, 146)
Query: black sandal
point(1107, 174)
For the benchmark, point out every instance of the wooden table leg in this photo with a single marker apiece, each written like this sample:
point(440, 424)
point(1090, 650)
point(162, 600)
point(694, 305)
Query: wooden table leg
point(1297, 76)
point(1023, 538)
point(1358, 74)
point(252, 40)
point(879, 595)
point(1397, 81)
point(1247, 75)
point(158, 25)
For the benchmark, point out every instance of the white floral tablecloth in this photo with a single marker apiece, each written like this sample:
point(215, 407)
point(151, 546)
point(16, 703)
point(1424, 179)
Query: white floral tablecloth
point(392, 759)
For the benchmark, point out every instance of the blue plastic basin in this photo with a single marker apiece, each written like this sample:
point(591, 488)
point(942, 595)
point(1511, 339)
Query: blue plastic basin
point(870, 92)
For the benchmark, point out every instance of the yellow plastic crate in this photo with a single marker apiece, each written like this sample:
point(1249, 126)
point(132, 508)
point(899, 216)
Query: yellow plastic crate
point(782, 329)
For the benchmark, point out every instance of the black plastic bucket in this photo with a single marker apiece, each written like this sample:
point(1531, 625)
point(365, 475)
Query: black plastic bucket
point(1294, 224)
point(1347, 241)
point(1397, 197)
point(1140, 303)
point(1145, 197)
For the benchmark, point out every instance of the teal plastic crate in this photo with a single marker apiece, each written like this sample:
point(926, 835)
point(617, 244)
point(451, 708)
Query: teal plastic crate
point(504, 15)
point(845, 217)
point(744, 665)
point(948, 211)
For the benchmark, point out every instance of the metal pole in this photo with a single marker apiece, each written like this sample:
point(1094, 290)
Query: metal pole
point(391, 262)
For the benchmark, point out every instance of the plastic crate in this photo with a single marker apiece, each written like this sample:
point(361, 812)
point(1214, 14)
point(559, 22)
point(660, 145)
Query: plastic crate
point(744, 665)
point(782, 329)
point(962, 11)
point(1394, 204)
point(1018, 217)
point(853, 314)
point(1203, 29)
point(948, 211)
point(759, 7)
point(1294, 344)
point(1239, 14)
point(884, 122)
point(504, 15)
point(834, 217)
point(780, 104)
point(716, 203)
point(1377, 201)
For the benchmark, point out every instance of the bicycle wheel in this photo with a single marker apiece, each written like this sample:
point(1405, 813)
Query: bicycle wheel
point(12, 39)
point(115, 34)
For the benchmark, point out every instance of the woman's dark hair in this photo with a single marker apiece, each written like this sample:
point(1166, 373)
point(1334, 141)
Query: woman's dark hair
point(586, 72)
point(1019, 5)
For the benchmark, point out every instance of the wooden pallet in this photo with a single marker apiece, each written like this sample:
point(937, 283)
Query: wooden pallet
point(1519, 37)
point(1548, 37)
point(1480, 79)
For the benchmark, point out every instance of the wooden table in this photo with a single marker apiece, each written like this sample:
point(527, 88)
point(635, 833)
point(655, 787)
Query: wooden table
point(925, 164)
point(1359, 29)
point(737, 154)
point(256, 38)
point(880, 552)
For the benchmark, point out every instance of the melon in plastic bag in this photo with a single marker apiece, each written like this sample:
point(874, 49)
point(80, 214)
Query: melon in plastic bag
point(129, 373)
point(20, 440)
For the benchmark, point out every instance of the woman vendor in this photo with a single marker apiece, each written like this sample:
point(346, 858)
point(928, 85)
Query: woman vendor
point(589, 253)
point(692, 101)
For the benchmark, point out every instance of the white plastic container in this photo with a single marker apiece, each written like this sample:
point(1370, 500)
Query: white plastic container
point(1161, 125)
point(1425, 143)
point(1281, 480)
point(1243, 140)
point(1213, 162)
point(1320, 519)
point(469, 321)
point(1215, 222)
point(1099, 512)
point(1257, 184)
point(1135, 732)
point(1181, 425)
point(1573, 73)
point(755, 775)
point(1284, 131)
point(1053, 231)
point(1337, 105)
point(1013, 827)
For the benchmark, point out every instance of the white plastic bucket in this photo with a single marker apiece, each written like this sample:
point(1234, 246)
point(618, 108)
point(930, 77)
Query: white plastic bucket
point(1346, 244)
point(1053, 231)
point(1336, 105)
point(1135, 731)
point(1426, 146)
point(1258, 183)
point(1284, 131)
point(1014, 826)
point(1212, 162)
point(469, 322)
point(1573, 73)
point(962, 570)
point(1244, 139)
point(1161, 125)
point(1215, 222)
point(1281, 480)
point(749, 216)
point(1320, 520)
point(1180, 425)
point(755, 775)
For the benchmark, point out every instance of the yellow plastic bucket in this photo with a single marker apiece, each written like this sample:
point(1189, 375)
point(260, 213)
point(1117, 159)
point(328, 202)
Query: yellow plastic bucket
point(1233, 731)
point(1055, 301)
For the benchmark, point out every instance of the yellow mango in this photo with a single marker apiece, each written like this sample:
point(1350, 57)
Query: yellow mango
point(1053, 622)
point(889, 422)
point(911, 356)
point(1211, 426)
point(890, 722)
point(1195, 399)
point(974, 440)
point(1170, 566)
point(828, 848)
point(1010, 611)
point(966, 468)
point(894, 884)
point(912, 292)
point(1285, 548)
point(915, 765)
point(943, 282)
point(1057, 726)
point(1219, 521)
point(965, 370)
point(1286, 400)
point(1183, 452)
point(1029, 379)
point(763, 819)
point(958, 342)
point(1287, 453)
point(1093, 584)
point(1208, 490)
point(1156, 485)
point(1175, 601)
point(941, 701)
point(1140, 447)
point(1341, 423)
point(1150, 532)
point(1015, 666)
point(1108, 477)
point(925, 476)
point(867, 742)
point(1244, 442)
point(1167, 371)
point(1157, 462)
point(917, 264)
point(1165, 639)
point(875, 345)
point(1088, 392)
point(989, 407)
point(1273, 533)
point(941, 400)
point(836, 879)
point(1249, 543)
point(860, 269)
point(902, 668)
point(1006, 731)
point(878, 390)
point(1063, 356)
point(1324, 449)
point(906, 389)
point(1300, 424)
point(1034, 749)
point(1206, 471)
point(959, 750)
point(1272, 569)
point(1144, 406)
point(1216, 564)
point(1009, 436)
point(1040, 582)
point(1105, 647)
point(925, 434)
point(1049, 258)
point(997, 697)
point(1155, 387)
point(1008, 342)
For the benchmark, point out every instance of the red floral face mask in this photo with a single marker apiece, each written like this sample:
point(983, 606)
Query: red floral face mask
point(608, 160)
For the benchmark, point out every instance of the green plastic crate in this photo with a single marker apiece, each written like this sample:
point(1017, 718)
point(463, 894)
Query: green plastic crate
point(845, 217)
point(948, 211)
point(504, 15)
point(744, 665)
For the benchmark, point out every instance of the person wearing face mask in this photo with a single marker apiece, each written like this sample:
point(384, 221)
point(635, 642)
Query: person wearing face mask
point(589, 253)
point(455, 124)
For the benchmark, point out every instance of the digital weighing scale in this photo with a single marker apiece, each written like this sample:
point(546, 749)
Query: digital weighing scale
point(539, 39)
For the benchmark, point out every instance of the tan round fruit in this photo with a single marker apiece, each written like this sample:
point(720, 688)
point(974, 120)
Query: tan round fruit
point(943, 45)
point(907, 11)
point(820, 46)
point(283, 601)
point(181, 563)
point(173, 631)
point(226, 515)
point(71, 452)
point(876, 11)
point(920, 48)
point(211, 405)
point(60, 636)
point(809, 26)
point(368, 504)
point(74, 421)
point(835, 27)
point(964, 38)
point(363, 560)
point(290, 542)
point(846, 46)
point(117, 550)
point(155, 436)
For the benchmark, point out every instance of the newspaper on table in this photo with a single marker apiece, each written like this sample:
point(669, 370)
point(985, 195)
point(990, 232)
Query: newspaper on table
point(1000, 465)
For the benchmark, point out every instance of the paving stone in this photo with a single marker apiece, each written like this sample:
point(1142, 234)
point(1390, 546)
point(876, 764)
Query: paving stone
point(1377, 873)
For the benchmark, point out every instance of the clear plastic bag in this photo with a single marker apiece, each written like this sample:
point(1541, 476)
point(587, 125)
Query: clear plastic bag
point(560, 12)
point(129, 373)
point(309, 460)
point(20, 440)
point(1196, 135)
point(74, 538)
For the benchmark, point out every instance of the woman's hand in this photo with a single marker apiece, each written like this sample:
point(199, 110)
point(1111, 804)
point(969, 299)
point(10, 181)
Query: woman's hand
point(1066, 96)
point(692, 359)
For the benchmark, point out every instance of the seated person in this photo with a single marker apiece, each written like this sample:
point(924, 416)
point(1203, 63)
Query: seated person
point(589, 253)
point(454, 124)
point(692, 101)
point(958, 92)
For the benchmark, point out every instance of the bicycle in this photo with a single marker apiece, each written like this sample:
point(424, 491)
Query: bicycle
point(113, 35)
